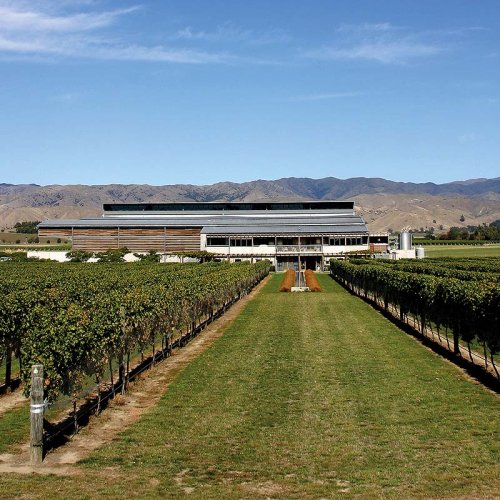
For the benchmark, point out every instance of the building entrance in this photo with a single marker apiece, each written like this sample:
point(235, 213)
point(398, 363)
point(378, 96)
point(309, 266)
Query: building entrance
point(311, 262)
point(292, 262)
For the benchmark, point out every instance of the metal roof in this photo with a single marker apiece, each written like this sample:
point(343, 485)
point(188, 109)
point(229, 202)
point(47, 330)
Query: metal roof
point(246, 222)
point(285, 229)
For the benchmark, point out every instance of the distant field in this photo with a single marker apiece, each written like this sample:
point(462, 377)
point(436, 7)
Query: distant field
point(8, 238)
point(462, 251)
point(305, 396)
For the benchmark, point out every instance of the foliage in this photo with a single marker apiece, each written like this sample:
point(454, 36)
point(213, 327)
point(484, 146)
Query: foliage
point(462, 295)
point(14, 256)
point(202, 255)
point(74, 318)
point(112, 255)
point(304, 396)
point(484, 233)
point(150, 257)
point(27, 227)
point(79, 256)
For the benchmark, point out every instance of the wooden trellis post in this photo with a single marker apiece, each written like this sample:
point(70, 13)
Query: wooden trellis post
point(37, 408)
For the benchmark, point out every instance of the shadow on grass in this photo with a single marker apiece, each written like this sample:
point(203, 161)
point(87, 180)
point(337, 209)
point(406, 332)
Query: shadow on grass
point(12, 386)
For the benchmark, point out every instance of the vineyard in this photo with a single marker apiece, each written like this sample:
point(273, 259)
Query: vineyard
point(460, 296)
point(81, 320)
point(304, 395)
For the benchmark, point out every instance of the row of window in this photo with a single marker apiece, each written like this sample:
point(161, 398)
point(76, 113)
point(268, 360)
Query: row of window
point(257, 241)
point(359, 240)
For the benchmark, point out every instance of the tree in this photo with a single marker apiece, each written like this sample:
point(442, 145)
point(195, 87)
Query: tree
point(152, 256)
point(79, 256)
point(112, 255)
point(27, 227)
point(462, 218)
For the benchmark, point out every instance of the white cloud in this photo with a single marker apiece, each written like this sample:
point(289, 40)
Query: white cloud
point(382, 42)
point(387, 52)
point(33, 28)
point(159, 54)
point(14, 20)
point(224, 32)
point(229, 32)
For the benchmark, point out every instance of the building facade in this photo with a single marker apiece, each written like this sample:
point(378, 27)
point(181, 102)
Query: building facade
point(288, 233)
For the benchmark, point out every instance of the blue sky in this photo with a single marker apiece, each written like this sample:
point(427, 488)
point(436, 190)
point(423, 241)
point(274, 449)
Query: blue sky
point(201, 91)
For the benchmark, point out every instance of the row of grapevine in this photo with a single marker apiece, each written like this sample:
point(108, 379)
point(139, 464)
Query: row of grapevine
point(75, 318)
point(469, 308)
point(467, 269)
point(462, 270)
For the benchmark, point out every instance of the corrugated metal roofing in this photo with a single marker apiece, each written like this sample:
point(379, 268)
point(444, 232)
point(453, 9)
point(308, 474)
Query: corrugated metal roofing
point(285, 229)
point(254, 222)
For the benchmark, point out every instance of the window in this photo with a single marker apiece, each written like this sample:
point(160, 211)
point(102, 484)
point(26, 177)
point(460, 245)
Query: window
point(288, 241)
point(267, 240)
point(337, 241)
point(354, 240)
point(217, 242)
point(241, 242)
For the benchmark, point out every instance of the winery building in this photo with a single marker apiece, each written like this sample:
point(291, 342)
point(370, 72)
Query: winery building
point(309, 232)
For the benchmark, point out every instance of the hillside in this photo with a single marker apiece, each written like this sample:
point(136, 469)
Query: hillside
point(384, 204)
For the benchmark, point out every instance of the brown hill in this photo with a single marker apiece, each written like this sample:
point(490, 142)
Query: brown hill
point(384, 204)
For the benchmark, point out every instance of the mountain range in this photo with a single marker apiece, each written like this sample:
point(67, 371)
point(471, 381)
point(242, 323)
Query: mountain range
point(383, 203)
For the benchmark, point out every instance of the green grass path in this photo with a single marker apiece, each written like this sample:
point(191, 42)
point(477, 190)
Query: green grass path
point(462, 251)
point(305, 396)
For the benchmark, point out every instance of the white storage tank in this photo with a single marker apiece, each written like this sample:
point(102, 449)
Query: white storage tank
point(420, 252)
point(405, 241)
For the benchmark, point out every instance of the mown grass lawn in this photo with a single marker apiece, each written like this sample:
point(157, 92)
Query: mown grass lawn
point(306, 395)
point(14, 427)
point(462, 251)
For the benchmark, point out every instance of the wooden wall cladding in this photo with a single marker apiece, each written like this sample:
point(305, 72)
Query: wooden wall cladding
point(140, 239)
point(182, 239)
point(55, 233)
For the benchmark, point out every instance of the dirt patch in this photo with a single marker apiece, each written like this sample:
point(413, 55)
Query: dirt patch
point(11, 400)
point(268, 489)
point(144, 393)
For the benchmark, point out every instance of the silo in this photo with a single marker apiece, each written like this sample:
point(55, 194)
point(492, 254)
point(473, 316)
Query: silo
point(405, 241)
point(420, 252)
